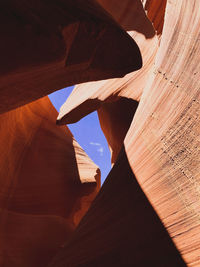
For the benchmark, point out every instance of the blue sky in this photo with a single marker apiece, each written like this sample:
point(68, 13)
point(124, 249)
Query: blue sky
point(88, 133)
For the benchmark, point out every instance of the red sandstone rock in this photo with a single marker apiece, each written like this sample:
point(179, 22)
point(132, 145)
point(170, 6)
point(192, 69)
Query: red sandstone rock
point(47, 184)
point(48, 45)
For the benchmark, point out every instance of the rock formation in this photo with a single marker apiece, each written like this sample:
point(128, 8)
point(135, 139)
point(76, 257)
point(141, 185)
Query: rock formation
point(147, 212)
point(47, 185)
point(48, 45)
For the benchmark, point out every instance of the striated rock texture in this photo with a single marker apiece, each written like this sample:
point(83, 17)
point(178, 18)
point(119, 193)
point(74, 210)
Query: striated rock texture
point(48, 45)
point(47, 183)
point(162, 148)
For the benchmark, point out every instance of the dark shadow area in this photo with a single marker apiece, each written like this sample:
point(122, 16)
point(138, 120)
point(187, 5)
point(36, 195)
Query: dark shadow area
point(120, 229)
point(115, 119)
point(49, 45)
point(156, 13)
point(131, 15)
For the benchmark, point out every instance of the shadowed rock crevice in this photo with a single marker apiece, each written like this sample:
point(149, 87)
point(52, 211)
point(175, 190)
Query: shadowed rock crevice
point(131, 15)
point(156, 12)
point(115, 119)
point(121, 222)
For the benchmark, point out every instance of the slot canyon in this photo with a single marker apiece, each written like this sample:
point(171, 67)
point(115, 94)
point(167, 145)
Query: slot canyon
point(137, 64)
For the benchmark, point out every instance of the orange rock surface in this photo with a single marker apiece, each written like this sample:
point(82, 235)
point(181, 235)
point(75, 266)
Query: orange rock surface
point(46, 46)
point(47, 184)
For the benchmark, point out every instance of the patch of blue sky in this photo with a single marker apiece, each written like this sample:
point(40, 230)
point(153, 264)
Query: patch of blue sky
point(88, 133)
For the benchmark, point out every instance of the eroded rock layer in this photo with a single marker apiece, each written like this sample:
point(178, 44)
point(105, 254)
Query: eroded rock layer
point(48, 45)
point(47, 183)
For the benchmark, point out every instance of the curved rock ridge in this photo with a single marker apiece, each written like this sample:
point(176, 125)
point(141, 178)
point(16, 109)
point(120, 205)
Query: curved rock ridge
point(163, 145)
point(47, 183)
point(128, 231)
point(86, 98)
point(48, 45)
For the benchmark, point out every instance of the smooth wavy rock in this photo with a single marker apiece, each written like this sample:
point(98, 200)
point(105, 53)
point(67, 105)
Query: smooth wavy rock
point(47, 183)
point(48, 45)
